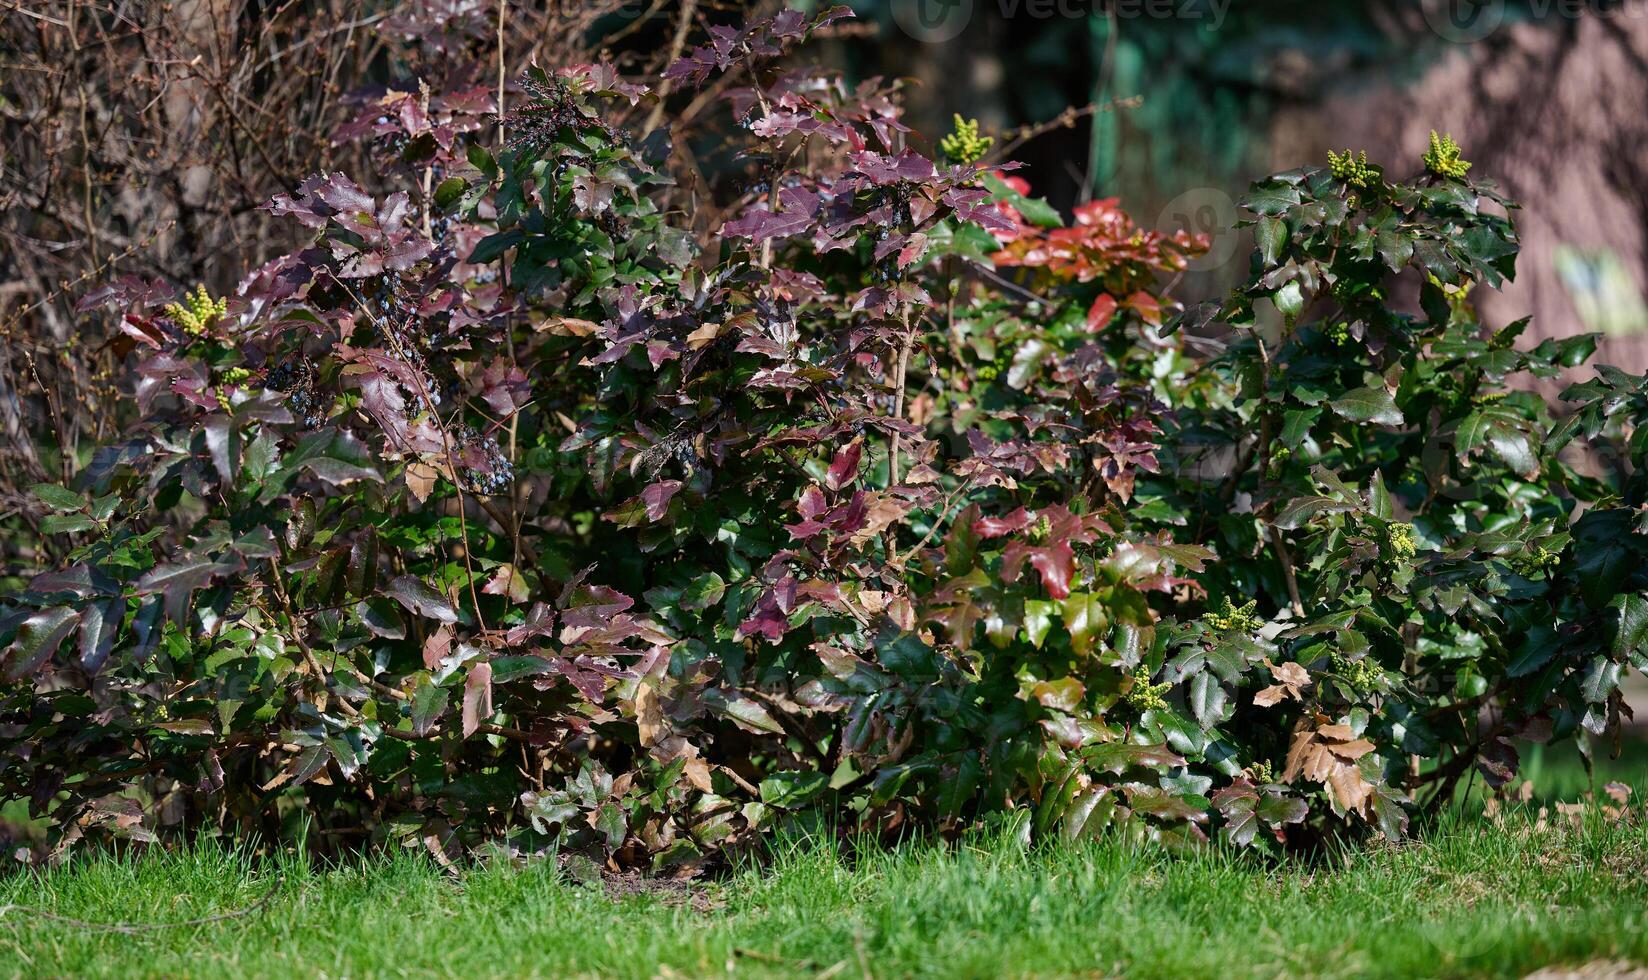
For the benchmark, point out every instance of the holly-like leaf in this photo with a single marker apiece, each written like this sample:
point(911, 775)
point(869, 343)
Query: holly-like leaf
point(428, 703)
point(1373, 405)
point(705, 591)
point(57, 497)
point(37, 639)
point(844, 467)
point(477, 699)
point(1271, 235)
point(419, 598)
point(1631, 626)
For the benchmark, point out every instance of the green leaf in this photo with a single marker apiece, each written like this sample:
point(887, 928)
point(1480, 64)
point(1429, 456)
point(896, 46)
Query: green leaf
point(612, 822)
point(703, 592)
point(907, 656)
point(66, 524)
point(506, 669)
point(99, 625)
point(482, 160)
point(448, 191)
point(381, 618)
point(1272, 236)
point(176, 581)
point(1033, 209)
point(1118, 757)
point(1395, 247)
point(335, 457)
point(1296, 423)
point(1087, 620)
point(1603, 556)
point(956, 790)
point(1277, 809)
point(1272, 199)
point(1512, 445)
point(420, 599)
point(1367, 405)
point(492, 246)
point(1538, 647)
point(1631, 629)
point(1601, 680)
point(792, 789)
point(742, 711)
point(37, 639)
point(428, 703)
point(1207, 699)
point(1290, 300)
point(58, 498)
point(1472, 433)
point(1038, 619)
point(1300, 510)
point(1379, 498)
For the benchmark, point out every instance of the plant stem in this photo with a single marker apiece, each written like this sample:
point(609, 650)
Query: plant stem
point(900, 370)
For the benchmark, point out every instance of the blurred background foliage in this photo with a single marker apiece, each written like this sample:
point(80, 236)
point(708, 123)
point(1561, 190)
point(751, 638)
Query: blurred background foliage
point(1200, 97)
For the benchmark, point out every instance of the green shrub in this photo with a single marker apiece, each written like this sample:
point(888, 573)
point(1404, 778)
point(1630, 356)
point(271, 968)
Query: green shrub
point(529, 504)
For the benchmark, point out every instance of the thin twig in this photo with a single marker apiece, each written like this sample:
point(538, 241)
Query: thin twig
point(1288, 575)
point(684, 24)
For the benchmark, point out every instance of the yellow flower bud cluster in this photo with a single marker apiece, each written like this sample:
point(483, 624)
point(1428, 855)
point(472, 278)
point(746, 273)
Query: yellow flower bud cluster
point(1361, 674)
point(1443, 159)
point(964, 145)
point(1538, 560)
point(197, 312)
point(1355, 170)
point(1233, 618)
point(1143, 695)
point(1399, 539)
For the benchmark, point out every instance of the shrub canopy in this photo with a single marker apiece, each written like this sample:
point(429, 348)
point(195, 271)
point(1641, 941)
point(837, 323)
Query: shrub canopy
point(548, 499)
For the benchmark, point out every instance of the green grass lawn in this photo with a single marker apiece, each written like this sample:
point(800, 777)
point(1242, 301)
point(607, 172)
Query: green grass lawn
point(1472, 899)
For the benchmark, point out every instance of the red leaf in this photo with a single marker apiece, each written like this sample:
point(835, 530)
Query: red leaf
point(1099, 314)
point(995, 527)
point(140, 329)
point(770, 618)
point(657, 498)
point(477, 701)
point(844, 468)
point(1147, 306)
point(1056, 564)
point(437, 647)
point(812, 503)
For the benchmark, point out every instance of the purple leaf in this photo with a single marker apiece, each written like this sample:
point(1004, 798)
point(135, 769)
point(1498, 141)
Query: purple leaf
point(759, 224)
point(177, 581)
point(477, 699)
point(844, 467)
point(657, 498)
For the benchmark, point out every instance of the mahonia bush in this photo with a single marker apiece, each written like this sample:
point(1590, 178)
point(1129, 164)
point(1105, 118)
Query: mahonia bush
point(524, 507)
